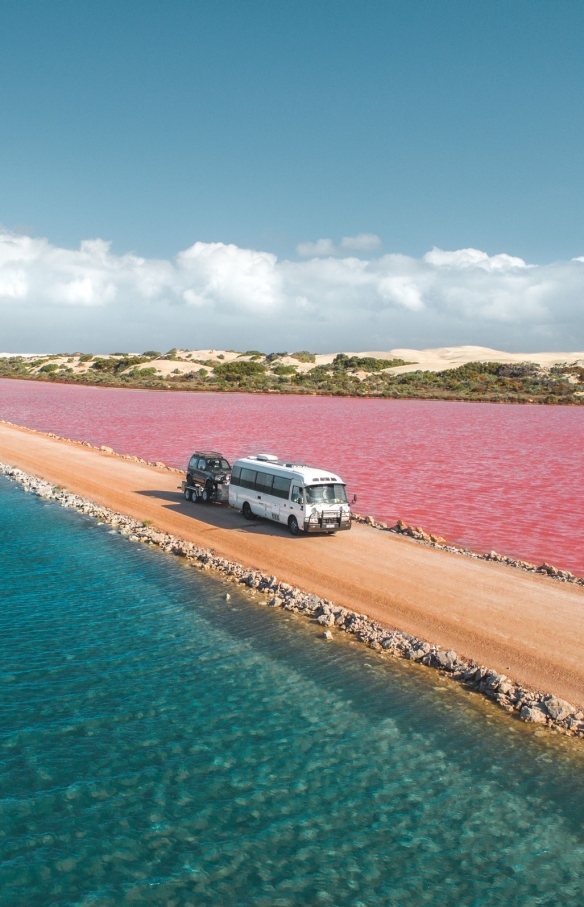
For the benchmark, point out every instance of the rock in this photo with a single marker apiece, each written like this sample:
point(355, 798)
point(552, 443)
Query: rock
point(327, 635)
point(445, 660)
point(227, 596)
point(106, 449)
point(533, 713)
point(437, 540)
point(417, 652)
point(558, 709)
point(275, 602)
point(493, 680)
point(326, 620)
point(160, 464)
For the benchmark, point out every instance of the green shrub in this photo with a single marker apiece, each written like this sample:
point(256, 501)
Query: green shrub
point(365, 363)
point(235, 371)
point(284, 369)
point(104, 365)
point(303, 356)
point(49, 367)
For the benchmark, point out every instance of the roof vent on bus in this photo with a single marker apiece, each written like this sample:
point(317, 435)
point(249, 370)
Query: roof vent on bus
point(269, 458)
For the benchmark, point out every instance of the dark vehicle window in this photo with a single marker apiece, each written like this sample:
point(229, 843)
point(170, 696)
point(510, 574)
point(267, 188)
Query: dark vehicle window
point(218, 464)
point(264, 482)
point(202, 464)
point(281, 487)
point(193, 463)
point(247, 478)
point(235, 474)
point(297, 495)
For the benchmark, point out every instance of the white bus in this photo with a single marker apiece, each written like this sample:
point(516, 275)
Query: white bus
point(302, 497)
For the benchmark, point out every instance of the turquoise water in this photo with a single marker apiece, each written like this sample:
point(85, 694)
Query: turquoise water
point(163, 746)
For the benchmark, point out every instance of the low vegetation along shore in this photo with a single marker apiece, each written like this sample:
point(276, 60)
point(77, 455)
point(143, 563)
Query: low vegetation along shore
point(531, 706)
point(498, 378)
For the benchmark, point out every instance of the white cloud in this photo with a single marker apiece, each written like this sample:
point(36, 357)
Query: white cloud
point(325, 248)
point(363, 242)
point(215, 294)
point(318, 249)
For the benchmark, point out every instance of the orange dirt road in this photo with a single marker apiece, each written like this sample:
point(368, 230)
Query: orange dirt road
point(528, 627)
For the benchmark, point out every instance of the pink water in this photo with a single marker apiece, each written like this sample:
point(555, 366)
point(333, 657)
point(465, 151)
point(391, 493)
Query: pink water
point(482, 475)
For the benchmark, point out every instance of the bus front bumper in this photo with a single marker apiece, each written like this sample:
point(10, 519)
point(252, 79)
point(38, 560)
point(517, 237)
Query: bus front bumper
point(327, 526)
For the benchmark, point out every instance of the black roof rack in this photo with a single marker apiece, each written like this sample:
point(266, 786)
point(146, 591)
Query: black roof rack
point(207, 453)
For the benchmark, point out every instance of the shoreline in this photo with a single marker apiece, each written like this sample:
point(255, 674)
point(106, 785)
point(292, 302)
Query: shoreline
point(298, 392)
point(519, 623)
point(529, 705)
point(415, 533)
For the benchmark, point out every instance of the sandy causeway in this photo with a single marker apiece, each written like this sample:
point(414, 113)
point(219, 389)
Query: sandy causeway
point(528, 627)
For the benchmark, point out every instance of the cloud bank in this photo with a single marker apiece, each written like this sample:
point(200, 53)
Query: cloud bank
point(221, 296)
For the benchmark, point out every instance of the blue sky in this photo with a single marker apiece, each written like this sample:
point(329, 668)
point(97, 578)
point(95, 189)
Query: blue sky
point(156, 125)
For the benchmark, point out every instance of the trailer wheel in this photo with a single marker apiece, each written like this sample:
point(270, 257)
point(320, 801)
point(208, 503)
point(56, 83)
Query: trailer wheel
point(293, 526)
point(195, 495)
point(188, 494)
point(247, 511)
point(204, 496)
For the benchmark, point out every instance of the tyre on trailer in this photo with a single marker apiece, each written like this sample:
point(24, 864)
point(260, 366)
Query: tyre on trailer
point(194, 494)
point(247, 511)
point(293, 526)
point(188, 494)
point(204, 495)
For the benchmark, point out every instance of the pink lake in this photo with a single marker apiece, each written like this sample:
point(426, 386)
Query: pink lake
point(482, 475)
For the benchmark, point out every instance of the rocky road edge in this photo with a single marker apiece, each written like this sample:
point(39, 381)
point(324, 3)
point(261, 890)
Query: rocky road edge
point(435, 541)
point(413, 532)
point(532, 706)
point(103, 448)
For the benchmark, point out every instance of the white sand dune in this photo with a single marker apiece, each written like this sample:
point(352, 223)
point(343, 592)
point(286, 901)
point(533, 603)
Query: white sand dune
point(433, 360)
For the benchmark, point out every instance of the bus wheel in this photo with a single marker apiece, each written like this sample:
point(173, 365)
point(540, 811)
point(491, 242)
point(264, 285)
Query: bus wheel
point(247, 511)
point(293, 526)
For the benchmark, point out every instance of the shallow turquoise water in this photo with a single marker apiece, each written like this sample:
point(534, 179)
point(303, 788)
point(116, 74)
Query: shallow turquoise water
point(163, 746)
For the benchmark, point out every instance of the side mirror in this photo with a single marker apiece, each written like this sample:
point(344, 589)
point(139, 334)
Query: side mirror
point(354, 501)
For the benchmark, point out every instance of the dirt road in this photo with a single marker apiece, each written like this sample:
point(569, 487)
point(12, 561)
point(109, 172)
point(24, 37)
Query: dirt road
point(528, 627)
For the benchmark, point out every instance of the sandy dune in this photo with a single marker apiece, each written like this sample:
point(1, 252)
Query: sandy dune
point(433, 360)
point(528, 627)
point(437, 360)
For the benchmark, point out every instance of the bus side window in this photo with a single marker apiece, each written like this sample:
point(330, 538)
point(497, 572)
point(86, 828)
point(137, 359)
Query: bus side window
point(297, 495)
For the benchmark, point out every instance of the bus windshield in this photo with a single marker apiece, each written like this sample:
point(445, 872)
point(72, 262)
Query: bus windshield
point(326, 494)
point(218, 465)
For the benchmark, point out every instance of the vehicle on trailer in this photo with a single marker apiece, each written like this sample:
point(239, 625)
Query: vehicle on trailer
point(208, 476)
point(304, 498)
